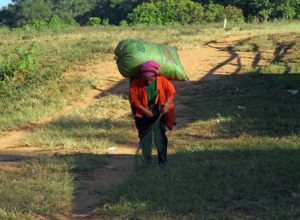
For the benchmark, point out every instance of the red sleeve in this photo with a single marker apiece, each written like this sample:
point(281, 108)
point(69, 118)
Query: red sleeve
point(133, 96)
point(169, 89)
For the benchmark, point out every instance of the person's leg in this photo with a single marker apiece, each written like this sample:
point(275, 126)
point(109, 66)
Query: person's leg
point(143, 125)
point(146, 145)
point(161, 142)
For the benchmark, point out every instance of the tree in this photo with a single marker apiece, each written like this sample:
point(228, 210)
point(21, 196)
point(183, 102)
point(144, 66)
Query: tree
point(147, 13)
point(27, 11)
point(8, 16)
point(71, 10)
point(265, 8)
point(188, 12)
point(214, 12)
point(114, 10)
point(23, 12)
point(233, 13)
point(285, 9)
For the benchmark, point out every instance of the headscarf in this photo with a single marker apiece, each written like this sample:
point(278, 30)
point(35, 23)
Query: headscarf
point(149, 69)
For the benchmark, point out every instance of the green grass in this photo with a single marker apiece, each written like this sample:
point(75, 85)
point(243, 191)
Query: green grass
point(37, 102)
point(102, 125)
point(42, 186)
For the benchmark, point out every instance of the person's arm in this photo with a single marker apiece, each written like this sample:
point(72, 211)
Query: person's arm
point(146, 112)
point(165, 108)
point(169, 92)
point(134, 101)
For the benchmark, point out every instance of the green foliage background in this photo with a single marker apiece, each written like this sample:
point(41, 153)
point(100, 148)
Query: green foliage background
point(41, 13)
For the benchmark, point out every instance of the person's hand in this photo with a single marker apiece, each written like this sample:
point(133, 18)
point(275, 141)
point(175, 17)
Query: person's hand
point(149, 114)
point(165, 109)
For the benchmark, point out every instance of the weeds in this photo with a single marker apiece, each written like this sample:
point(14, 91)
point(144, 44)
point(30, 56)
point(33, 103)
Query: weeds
point(19, 64)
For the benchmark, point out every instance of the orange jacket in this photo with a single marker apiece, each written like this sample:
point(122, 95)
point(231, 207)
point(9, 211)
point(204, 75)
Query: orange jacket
point(165, 90)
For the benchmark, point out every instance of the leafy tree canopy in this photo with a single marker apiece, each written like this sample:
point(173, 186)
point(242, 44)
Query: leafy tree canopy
point(24, 12)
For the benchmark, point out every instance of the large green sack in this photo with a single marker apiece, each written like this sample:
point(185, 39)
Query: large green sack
point(130, 54)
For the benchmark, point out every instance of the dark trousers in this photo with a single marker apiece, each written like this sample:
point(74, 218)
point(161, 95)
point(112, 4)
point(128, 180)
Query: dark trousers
point(150, 130)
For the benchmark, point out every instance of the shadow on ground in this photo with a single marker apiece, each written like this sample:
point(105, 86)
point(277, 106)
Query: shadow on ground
point(13, 158)
point(94, 181)
point(249, 183)
point(259, 105)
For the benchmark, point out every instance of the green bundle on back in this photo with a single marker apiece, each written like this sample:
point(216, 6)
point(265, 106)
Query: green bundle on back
point(130, 54)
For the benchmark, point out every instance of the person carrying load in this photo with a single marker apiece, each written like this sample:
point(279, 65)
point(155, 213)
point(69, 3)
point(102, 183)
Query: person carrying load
point(151, 98)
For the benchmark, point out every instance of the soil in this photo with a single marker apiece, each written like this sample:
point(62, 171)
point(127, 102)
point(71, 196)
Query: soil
point(209, 62)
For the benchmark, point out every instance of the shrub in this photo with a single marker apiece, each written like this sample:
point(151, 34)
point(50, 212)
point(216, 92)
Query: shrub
point(56, 22)
point(286, 11)
point(105, 21)
point(19, 65)
point(214, 12)
point(94, 21)
point(265, 14)
point(166, 12)
point(123, 23)
point(38, 24)
point(146, 13)
point(233, 13)
point(188, 12)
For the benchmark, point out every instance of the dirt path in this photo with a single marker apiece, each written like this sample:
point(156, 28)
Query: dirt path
point(206, 63)
point(108, 77)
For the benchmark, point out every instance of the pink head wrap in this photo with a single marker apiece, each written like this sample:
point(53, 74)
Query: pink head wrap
point(150, 69)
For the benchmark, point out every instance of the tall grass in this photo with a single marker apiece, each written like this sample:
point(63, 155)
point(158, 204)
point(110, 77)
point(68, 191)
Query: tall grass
point(39, 187)
point(43, 186)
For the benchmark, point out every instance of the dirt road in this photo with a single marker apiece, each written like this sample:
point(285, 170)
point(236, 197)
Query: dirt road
point(205, 63)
